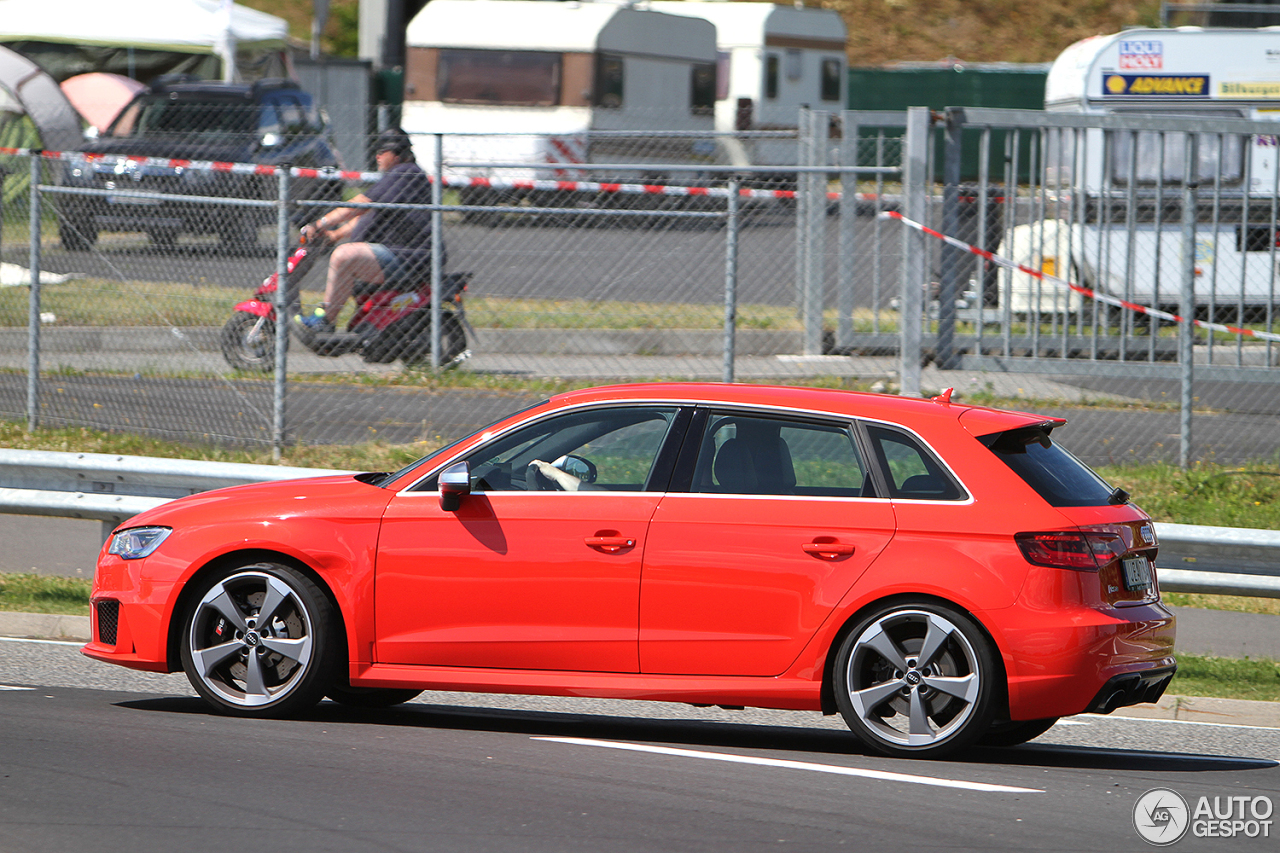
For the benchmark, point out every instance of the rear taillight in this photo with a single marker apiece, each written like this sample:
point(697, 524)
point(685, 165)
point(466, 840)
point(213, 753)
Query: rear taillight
point(1087, 549)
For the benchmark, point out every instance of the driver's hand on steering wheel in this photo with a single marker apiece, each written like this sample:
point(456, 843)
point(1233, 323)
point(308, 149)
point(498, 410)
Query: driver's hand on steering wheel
point(563, 479)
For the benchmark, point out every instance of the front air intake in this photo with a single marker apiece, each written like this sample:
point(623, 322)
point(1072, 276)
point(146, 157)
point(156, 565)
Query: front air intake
point(108, 613)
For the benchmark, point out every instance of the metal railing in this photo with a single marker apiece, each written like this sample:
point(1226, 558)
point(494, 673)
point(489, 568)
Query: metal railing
point(1225, 560)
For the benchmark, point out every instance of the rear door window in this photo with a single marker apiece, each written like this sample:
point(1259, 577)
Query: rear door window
point(1057, 476)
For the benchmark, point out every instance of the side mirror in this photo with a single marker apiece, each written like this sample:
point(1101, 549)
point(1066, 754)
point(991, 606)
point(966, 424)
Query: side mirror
point(455, 481)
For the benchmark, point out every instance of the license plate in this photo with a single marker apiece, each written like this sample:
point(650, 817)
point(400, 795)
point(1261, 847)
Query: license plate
point(1137, 573)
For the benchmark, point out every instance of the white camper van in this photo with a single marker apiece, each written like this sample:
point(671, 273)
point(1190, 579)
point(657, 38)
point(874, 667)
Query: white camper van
point(773, 60)
point(1213, 74)
point(542, 77)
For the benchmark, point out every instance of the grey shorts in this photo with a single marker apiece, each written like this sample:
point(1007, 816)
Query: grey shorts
point(393, 269)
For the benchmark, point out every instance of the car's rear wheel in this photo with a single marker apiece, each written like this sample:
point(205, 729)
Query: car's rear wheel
point(77, 231)
point(916, 679)
point(1015, 732)
point(260, 641)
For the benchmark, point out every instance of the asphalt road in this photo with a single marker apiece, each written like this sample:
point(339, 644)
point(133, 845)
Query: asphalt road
point(95, 758)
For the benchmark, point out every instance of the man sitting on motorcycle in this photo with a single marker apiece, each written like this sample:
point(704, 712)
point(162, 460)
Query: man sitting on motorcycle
point(382, 245)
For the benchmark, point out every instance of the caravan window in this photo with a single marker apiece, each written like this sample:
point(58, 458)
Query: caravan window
point(771, 76)
point(702, 89)
point(1161, 157)
point(517, 77)
point(831, 79)
point(609, 80)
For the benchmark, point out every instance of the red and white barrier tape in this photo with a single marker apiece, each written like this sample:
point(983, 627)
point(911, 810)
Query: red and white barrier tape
point(472, 183)
point(1084, 291)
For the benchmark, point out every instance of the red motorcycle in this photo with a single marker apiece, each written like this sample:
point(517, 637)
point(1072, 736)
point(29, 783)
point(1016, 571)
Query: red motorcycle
point(390, 321)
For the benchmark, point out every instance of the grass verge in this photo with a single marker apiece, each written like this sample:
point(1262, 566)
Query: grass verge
point(1227, 678)
point(31, 593)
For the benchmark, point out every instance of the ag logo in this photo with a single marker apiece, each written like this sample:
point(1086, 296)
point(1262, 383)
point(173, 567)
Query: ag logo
point(1161, 817)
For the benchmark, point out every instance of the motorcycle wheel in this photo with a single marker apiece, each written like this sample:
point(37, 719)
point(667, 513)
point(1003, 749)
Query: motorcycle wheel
point(453, 343)
point(247, 346)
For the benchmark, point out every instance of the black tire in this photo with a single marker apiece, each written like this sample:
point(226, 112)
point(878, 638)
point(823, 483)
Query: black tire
point(77, 232)
point(371, 697)
point(916, 679)
point(453, 343)
point(260, 640)
point(249, 342)
point(239, 235)
point(163, 238)
point(1015, 732)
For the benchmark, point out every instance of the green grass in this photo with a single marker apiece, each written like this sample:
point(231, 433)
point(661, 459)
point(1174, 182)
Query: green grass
point(30, 593)
point(1227, 678)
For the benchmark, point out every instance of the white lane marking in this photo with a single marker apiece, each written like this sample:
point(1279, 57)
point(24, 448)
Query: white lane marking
point(11, 687)
point(797, 765)
point(76, 643)
point(1192, 723)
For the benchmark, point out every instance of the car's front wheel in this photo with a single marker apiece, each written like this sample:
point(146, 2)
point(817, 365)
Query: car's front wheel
point(915, 679)
point(260, 641)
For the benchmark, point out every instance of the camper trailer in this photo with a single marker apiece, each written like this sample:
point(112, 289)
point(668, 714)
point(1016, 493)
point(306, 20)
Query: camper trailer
point(772, 61)
point(525, 81)
point(1129, 243)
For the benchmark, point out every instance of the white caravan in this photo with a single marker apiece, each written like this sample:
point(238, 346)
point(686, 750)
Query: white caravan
point(772, 61)
point(542, 77)
point(1213, 74)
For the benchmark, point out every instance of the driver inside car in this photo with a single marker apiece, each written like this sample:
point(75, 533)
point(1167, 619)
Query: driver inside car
point(558, 473)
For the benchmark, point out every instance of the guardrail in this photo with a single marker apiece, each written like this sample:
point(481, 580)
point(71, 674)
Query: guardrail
point(114, 488)
point(1193, 558)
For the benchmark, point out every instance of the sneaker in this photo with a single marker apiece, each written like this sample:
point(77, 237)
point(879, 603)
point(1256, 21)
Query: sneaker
point(310, 325)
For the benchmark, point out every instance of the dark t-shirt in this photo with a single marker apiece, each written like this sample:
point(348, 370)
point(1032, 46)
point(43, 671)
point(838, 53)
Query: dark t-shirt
point(406, 232)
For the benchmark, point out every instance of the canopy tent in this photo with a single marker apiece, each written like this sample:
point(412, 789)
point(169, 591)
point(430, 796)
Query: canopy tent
point(145, 38)
point(24, 88)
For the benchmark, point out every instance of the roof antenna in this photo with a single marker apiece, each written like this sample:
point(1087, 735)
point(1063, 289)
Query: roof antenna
point(945, 397)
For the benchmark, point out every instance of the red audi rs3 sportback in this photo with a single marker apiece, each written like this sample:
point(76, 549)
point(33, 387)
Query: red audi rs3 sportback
point(939, 574)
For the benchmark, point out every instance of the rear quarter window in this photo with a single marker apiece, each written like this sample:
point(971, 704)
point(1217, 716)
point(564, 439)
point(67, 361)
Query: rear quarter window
point(1055, 474)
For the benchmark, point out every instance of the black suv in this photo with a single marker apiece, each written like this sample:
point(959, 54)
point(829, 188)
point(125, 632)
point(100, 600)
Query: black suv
point(269, 122)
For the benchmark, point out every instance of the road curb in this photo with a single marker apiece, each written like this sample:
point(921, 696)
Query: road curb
point(44, 626)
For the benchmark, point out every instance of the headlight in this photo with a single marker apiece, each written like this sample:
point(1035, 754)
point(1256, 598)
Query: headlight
point(138, 542)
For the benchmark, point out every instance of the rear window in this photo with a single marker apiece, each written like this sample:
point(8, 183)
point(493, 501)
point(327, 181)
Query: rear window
point(1056, 475)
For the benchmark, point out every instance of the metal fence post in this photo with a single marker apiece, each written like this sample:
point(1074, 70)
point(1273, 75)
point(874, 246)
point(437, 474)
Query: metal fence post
point(815, 226)
point(915, 203)
point(437, 244)
point(1187, 308)
point(33, 314)
point(278, 412)
point(952, 258)
point(804, 157)
point(731, 281)
point(847, 240)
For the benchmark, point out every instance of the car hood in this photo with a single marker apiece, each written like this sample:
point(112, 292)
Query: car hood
point(340, 495)
point(229, 151)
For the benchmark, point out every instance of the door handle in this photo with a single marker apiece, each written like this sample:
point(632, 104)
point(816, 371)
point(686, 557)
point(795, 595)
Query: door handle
point(610, 544)
point(827, 550)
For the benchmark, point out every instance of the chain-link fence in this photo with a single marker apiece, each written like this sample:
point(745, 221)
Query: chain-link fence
point(652, 255)
point(157, 311)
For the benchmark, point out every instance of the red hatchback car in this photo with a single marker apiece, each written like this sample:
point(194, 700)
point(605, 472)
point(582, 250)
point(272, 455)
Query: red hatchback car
point(939, 574)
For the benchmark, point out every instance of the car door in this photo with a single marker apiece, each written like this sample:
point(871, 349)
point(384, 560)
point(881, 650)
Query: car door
point(523, 574)
point(779, 519)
